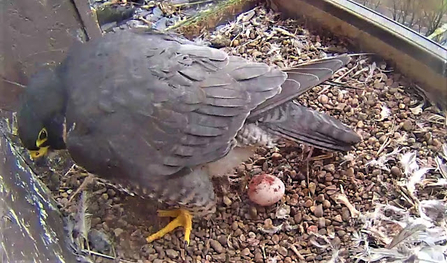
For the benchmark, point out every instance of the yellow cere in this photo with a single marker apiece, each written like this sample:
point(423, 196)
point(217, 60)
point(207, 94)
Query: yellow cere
point(38, 153)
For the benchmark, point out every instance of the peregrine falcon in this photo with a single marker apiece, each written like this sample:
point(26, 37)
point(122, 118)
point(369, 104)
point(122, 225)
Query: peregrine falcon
point(160, 115)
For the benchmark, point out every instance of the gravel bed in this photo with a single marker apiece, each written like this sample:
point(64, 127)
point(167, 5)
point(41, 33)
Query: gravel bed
point(338, 207)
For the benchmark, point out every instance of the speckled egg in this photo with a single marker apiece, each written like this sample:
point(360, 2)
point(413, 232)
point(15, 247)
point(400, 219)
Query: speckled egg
point(265, 189)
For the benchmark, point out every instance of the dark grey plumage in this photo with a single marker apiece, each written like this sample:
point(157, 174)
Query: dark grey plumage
point(161, 115)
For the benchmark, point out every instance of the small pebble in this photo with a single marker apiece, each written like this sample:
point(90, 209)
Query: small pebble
point(341, 233)
point(350, 172)
point(268, 223)
point(336, 241)
point(310, 258)
point(338, 218)
point(283, 251)
point(118, 231)
point(245, 252)
point(345, 214)
point(253, 212)
point(216, 246)
point(312, 187)
point(323, 99)
point(276, 156)
point(320, 198)
point(63, 201)
point(407, 125)
point(360, 124)
point(321, 223)
point(227, 201)
point(376, 172)
point(111, 192)
point(396, 171)
point(308, 203)
point(234, 226)
point(99, 240)
point(275, 239)
point(312, 229)
point(318, 212)
point(436, 143)
point(330, 167)
point(171, 253)
point(105, 196)
point(298, 217)
point(371, 101)
point(222, 240)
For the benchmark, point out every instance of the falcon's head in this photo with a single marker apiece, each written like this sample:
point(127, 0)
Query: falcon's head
point(41, 118)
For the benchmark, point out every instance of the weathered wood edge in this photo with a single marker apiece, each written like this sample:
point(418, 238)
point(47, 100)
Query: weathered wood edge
point(31, 225)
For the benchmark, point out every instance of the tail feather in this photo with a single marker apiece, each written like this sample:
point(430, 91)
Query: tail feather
point(300, 124)
point(300, 79)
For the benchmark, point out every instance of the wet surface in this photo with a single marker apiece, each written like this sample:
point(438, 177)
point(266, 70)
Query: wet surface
point(31, 227)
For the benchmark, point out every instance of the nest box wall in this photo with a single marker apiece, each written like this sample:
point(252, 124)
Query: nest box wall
point(37, 33)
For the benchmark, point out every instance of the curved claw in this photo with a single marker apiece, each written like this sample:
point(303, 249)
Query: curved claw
point(182, 218)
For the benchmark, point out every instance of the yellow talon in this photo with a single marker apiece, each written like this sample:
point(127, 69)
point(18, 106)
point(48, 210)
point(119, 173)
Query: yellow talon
point(182, 218)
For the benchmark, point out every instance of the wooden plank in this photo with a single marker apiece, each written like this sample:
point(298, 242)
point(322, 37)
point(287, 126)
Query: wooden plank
point(34, 34)
point(31, 226)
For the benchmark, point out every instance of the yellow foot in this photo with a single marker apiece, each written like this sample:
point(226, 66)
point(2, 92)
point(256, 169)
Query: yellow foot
point(182, 218)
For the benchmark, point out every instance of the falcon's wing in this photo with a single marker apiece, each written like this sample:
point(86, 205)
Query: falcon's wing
point(284, 118)
point(152, 106)
point(300, 79)
point(298, 123)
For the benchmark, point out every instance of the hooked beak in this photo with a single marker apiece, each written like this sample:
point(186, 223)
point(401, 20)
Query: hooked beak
point(37, 154)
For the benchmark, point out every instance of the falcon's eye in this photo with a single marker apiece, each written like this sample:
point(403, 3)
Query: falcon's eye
point(43, 134)
point(42, 137)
